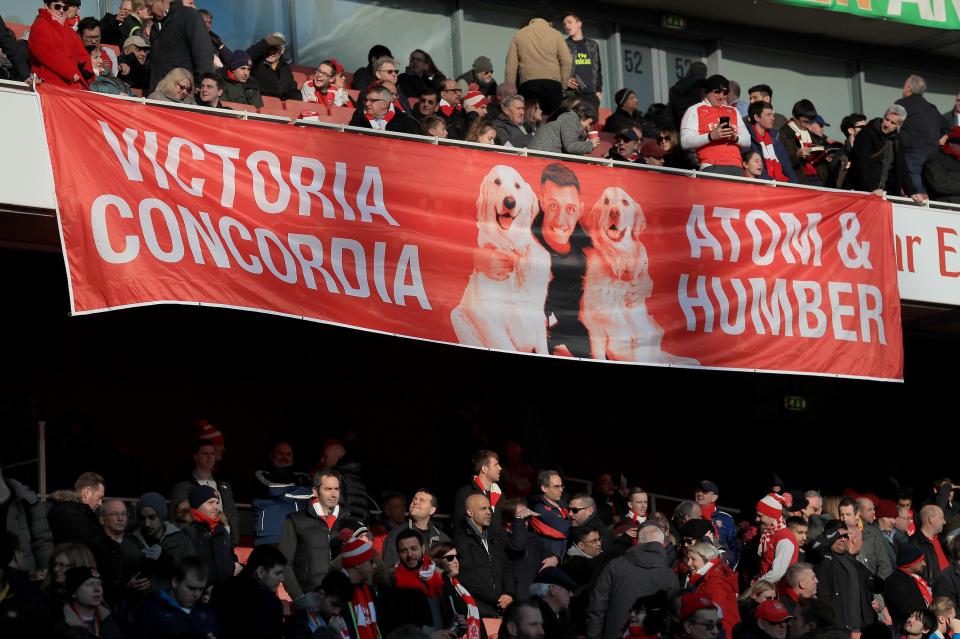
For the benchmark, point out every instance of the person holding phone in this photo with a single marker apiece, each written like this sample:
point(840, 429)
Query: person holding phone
point(715, 130)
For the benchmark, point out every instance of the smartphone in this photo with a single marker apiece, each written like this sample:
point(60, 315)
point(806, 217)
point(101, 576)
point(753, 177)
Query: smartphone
point(724, 121)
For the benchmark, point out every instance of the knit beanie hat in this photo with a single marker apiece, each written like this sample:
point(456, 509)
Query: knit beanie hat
point(482, 63)
point(154, 501)
point(621, 96)
point(771, 506)
point(234, 60)
point(200, 494)
point(909, 555)
point(887, 508)
point(475, 99)
point(76, 577)
point(355, 552)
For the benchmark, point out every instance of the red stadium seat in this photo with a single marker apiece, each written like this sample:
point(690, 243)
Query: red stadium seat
point(272, 105)
point(300, 77)
point(137, 92)
point(238, 106)
point(604, 114)
point(354, 94)
point(348, 76)
point(341, 115)
point(295, 107)
point(18, 29)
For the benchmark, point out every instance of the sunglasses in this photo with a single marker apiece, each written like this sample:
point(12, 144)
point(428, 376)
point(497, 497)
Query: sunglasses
point(574, 511)
point(664, 138)
point(451, 556)
point(723, 91)
point(183, 87)
point(390, 72)
point(58, 7)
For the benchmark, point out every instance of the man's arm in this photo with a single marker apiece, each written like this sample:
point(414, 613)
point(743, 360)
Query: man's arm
point(288, 546)
point(782, 559)
point(690, 136)
point(564, 58)
point(512, 64)
point(743, 135)
point(201, 48)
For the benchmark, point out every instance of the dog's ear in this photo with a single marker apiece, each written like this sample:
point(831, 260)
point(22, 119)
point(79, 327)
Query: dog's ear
point(639, 221)
point(591, 221)
point(529, 202)
point(482, 197)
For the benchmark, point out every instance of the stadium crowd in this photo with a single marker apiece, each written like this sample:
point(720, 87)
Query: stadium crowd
point(523, 557)
point(548, 101)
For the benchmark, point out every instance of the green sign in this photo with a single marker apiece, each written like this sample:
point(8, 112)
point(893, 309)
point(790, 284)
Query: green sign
point(674, 22)
point(793, 402)
point(938, 14)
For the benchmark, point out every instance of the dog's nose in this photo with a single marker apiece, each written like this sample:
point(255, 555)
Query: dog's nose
point(509, 203)
point(614, 213)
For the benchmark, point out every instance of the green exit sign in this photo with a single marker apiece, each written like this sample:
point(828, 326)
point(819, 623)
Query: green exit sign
point(674, 22)
point(793, 402)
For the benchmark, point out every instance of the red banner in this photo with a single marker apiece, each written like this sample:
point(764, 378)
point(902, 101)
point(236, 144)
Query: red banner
point(469, 247)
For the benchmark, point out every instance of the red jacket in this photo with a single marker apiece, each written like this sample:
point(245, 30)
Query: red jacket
point(720, 584)
point(56, 52)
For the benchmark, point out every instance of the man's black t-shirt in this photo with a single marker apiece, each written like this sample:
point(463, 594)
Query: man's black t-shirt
point(565, 292)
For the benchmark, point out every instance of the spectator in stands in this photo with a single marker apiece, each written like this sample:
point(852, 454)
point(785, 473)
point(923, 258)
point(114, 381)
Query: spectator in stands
point(586, 79)
point(179, 611)
point(72, 514)
point(178, 40)
point(218, 47)
point(211, 91)
point(86, 608)
point(706, 496)
point(482, 558)
point(552, 591)
point(877, 164)
point(635, 515)
point(674, 156)
point(480, 78)
point(941, 172)
point(874, 553)
point(450, 109)
point(57, 55)
point(778, 546)
point(210, 538)
point(326, 88)
point(280, 491)
point(583, 512)
point(247, 605)
point(104, 82)
point(892, 537)
point(712, 577)
point(414, 589)
point(377, 114)
point(951, 117)
point(640, 572)
point(134, 66)
point(308, 535)
point(753, 165)
point(552, 523)
point(716, 131)
point(481, 131)
point(921, 624)
point(799, 584)
point(433, 126)
point(423, 507)
point(568, 132)
point(134, 23)
point(486, 474)
point(463, 605)
point(204, 450)
point(73, 14)
point(922, 129)
point(358, 564)
point(509, 124)
point(905, 590)
point(24, 515)
point(532, 116)
point(23, 613)
point(688, 91)
point(363, 76)
point(17, 54)
point(763, 93)
point(475, 106)
point(272, 72)
point(64, 556)
point(419, 75)
point(946, 611)
point(150, 552)
point(427, 106)
point(238, 85)
point(943, 495)
point(110, 23)
point(807, 156)
point(800, 529)
point(927, 538)
point(113, 518)
point(766, 141)
point(334, 457)
point(582, 566)
point(627, 114)
point(90, 35)
point(625, 147)
point(948, 583)
point(733, 99)
point(538, 60)
point(843, 581)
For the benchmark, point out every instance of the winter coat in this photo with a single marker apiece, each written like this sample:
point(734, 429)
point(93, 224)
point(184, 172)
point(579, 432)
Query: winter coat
point(465, 80)
point(593, 78)
point(507, 131)
point(483, 573)
point(948, 583)
point(727, 530)
point(241, 92)
point(280, 493)
point(174, 546)
point(353, 492)
point(432, 535)
point(555, 626)
point(563, 135)
point(57, 53)
point(162, 618)
point(538, 52)
point(524, 552)
point(401, 123)
point(866, 161)
point(932, 570)
point(214, 548)
point(247, 609)
point(72, 627)
point(720, 585)
point(902, 596)
point(180, 40)
point(941, 177)
point(131, 26)
point(279, 82)
point(620, 120)
point(922, 127)
point(583, 570)
point(874, 554)
point(554, 530)
point(27, 519)
point(17, 51)
point(307, 544)
point(72, 520)
point(139, 76)
point(640, 572)
point(23, 612)
point(110, 30)
point(845, 585)
point(415, 85)
point(110, 85)
point(228, 505)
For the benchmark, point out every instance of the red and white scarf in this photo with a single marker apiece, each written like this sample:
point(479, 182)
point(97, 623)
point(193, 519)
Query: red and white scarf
point(638, 520)
point(473, 612)
point(425, 579)
point(493, 494)
point(376, 122)
point(448, 109)
point(921, 585)
point(315, 622)
point(363, 613)
point(330, 519)
point(767, 536)
point(699, 574)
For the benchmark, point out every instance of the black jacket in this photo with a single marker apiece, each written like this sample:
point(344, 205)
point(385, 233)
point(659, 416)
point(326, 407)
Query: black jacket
point(27, 519)
point(399, 606)
point(228, 504)
point(179, 40)
point(620, 120)
point(110, 30)
point(932, 570)
point(923, 127)
point(866, 162)
point(948, 583)
point(941, 177)
point(401, 123)
point(24, 613)
point(16, 51)
point(483, 573)
point(432, 535)
point(161, 618)
point(247, 609)
point(139, 76)
point(845, 584)
point(555, 626)
point(309, 545)
point(72, 520)
point(214, 548)
point(902, 596)
point(241, 92)
point(279, 82)
point(508, 131)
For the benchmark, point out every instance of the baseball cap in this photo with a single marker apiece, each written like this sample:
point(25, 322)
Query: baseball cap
point(773, 611)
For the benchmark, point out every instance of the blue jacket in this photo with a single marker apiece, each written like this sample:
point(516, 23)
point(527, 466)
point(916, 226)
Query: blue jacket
point(727, 529)
point(162, 618)
point(549, 527)
point(783, 156)
point(279, 495)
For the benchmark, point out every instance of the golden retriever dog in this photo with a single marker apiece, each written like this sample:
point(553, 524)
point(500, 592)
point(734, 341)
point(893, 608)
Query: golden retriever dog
point(618, 283)
point(506, 314)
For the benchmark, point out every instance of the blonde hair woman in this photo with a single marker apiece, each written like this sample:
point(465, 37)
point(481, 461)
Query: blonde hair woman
point(176, 86)
point(712, 578)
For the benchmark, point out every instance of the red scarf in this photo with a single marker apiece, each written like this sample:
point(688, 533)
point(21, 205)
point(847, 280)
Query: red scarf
point(696, 575)
point(448, 109)
point(941, 557)
point(542, 528)
point(473, 612)
point(425, 579)
point(767, 536)
point(386, 118)
point(363, 613)
point(329, 520)
point(209, 521)
point(96, 619)
point(708, 511)
point(493, 494)
point(637, 632)
point(922, 586)
point(635, 518)
point(951, 151)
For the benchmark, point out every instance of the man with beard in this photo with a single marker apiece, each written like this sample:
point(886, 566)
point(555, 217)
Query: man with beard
point(415, 594)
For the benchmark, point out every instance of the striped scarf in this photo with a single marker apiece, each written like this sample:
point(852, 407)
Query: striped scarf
point(363, 613)
point(922, 585)
point(473, 612)
point(493, 494)
point(767, 536)
point(425, 579)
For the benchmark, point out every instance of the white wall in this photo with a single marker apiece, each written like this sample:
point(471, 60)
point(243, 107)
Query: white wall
point(27, 179)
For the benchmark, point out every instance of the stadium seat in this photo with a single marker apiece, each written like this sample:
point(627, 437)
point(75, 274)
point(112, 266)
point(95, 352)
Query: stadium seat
point(137, 92)
point(354, 94)
point(300, 78)
point(18, 29)
point(238, 106)
point(348, 77)
point(341, 115)
point(604, 114)
point(272, 105)
point(295, 107)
